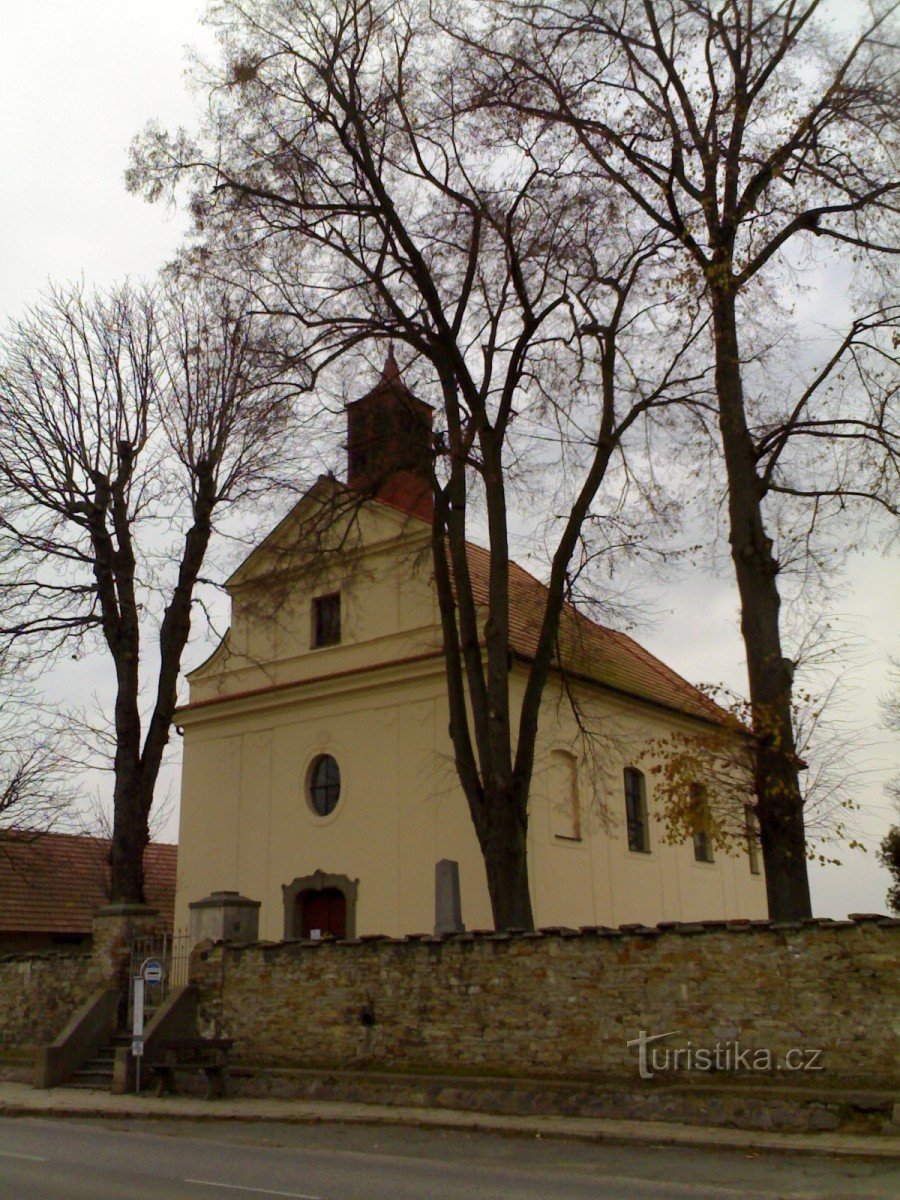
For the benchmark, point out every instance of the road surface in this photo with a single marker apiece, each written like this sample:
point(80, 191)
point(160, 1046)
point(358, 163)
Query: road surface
point(179, 1160)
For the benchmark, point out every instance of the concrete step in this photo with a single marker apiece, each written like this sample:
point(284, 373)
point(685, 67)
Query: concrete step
point(100, 1063)
point(97, 1071)
point(88, 1077)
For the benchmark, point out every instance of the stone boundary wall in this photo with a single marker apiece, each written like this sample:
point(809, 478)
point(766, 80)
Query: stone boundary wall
point(38, 994)
point(564, 1003)
point(40, 990)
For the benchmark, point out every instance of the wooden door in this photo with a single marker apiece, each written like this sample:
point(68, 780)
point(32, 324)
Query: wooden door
point(324, 910)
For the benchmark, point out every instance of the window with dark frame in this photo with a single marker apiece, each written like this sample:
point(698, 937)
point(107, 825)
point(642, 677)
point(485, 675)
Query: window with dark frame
point(636, 811)
point(701, 821)
point(752, 827)
point(323, 785)
point(326, 621)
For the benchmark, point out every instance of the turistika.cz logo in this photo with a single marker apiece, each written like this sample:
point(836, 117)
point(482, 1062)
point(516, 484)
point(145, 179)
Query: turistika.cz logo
point(655, 1059)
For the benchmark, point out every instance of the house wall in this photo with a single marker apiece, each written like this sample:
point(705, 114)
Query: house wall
point(246, 824)
point(268, 703)
point(597, 879)
point(379, 561)
point(565, 1006)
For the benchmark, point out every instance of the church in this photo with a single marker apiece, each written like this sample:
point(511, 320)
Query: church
point(318, 773)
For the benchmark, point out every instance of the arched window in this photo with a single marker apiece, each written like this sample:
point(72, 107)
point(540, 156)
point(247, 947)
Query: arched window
point(326, 620)
point(323, 785)
point(752, 830)
point(701, 823)
point(565, 812)
point(636, 811)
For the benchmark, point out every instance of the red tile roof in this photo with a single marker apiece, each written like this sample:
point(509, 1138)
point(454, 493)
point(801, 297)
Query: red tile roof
point(55, 882)
point(587, 649)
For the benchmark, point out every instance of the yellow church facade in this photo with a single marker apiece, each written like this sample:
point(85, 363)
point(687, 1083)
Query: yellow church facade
point(318, 773)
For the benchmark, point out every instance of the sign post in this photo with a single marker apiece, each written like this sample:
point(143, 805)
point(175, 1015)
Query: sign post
point(137, 1028)
point(152, 973)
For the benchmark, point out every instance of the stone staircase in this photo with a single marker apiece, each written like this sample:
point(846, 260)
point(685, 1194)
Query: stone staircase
point(97, 1072)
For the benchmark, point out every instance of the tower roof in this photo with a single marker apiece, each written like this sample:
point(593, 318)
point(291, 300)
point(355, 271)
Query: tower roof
point(390, 383)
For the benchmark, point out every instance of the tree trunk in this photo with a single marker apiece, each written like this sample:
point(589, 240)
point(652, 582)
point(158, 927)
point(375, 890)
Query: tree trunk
point(776, 765)
point(137, 771)
point(129, 817)
point(504, 844)
point(483, 765)
point(130, 836)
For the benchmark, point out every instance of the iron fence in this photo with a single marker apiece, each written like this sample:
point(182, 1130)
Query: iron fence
point(172, 950)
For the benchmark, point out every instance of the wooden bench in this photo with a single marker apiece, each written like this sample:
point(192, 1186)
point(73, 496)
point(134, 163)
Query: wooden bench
point(209, 1055)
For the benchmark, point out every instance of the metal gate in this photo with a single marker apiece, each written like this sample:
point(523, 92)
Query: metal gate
point(172, 951)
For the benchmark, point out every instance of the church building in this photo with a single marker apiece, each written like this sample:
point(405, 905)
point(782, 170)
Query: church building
point(318, 773)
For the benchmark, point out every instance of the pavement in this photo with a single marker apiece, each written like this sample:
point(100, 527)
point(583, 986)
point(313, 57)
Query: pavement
point(20, 1099)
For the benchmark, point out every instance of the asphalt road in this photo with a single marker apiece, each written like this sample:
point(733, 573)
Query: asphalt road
point(134, 1160)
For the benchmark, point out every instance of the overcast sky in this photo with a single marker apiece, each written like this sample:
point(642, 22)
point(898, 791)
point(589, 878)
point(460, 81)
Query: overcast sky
point(79, 80)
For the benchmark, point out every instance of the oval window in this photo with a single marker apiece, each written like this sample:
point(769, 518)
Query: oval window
point(323, 786)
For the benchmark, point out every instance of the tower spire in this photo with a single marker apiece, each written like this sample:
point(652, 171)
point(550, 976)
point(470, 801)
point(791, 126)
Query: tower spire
point(390, 372)
point(389, 443)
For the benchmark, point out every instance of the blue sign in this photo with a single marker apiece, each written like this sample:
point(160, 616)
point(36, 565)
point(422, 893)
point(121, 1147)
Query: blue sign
point(153, 971)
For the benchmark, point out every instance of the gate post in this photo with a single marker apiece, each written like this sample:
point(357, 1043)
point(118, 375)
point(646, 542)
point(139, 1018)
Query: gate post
point(115, 928)
point(223, 917)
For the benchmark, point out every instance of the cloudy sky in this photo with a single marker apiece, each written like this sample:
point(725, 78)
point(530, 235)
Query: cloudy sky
point(79, 80)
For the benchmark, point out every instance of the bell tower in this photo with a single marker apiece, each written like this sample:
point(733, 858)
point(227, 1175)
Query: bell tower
point(389, 444)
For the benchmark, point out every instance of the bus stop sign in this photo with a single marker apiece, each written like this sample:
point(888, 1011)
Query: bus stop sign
point(152, 971)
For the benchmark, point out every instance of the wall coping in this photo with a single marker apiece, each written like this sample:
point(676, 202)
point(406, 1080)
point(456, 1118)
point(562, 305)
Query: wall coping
point(583, 932)
point(225, 899)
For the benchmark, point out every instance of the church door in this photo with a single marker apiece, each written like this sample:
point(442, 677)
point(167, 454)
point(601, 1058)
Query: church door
point(323, 913)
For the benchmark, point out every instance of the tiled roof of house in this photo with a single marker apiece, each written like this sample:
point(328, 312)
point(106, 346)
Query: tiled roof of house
point(587, 649)
point(55, 882)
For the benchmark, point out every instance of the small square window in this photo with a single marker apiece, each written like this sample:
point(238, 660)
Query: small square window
point(326, 620)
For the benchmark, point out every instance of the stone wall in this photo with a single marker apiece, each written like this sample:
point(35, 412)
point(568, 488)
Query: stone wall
point(565, 1003)
point(40, 991)
point(38, 994)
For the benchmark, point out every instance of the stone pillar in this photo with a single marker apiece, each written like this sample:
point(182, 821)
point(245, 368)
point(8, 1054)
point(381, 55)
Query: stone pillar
point(447, 902)
point(115, 927)
point(223, 917)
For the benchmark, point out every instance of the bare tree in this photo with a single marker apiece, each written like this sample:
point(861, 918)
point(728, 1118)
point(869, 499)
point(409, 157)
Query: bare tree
point(741, 130)
point(129, 423)
point(35, 792)
point(341, 175)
